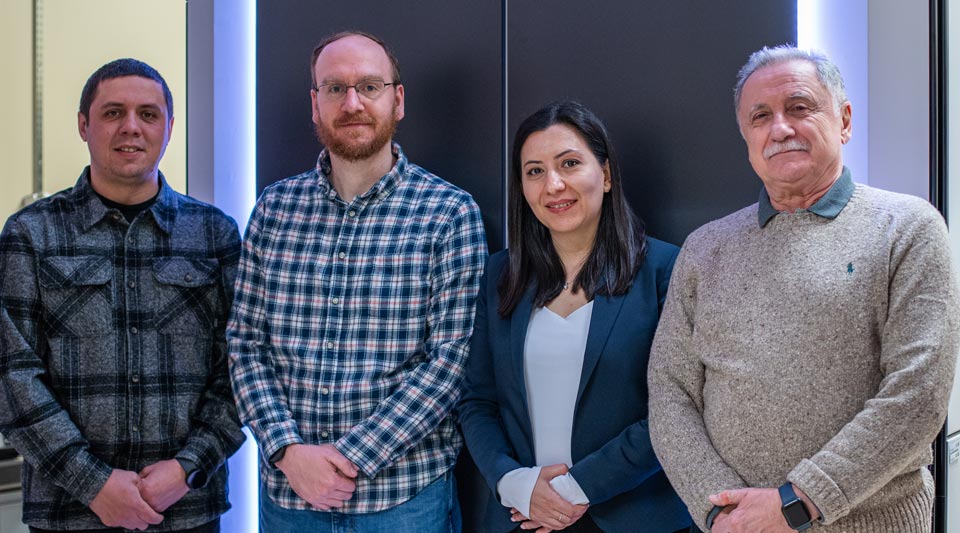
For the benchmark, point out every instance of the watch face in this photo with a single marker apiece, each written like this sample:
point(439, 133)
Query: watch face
point(796, 514)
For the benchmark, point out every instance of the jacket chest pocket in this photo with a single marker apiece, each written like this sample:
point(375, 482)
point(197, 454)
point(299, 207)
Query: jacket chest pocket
point(77, 295)
point(188, 299)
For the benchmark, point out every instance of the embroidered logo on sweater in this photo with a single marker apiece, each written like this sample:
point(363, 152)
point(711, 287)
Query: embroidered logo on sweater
point(849, 268)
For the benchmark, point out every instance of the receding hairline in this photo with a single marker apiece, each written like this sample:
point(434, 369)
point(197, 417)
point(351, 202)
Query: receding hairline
point(825, 70)
point(339, 36)
point(778, 63)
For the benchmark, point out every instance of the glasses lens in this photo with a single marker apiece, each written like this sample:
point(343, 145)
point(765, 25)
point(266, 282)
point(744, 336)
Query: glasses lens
point(370, 88)
point(334, 91)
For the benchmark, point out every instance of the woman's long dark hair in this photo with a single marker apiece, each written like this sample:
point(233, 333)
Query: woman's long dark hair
point(620, 244)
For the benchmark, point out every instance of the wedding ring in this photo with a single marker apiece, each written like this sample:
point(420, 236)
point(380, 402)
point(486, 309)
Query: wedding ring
point(561, 518)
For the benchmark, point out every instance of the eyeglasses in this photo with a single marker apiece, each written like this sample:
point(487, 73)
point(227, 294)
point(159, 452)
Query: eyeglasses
point(369, 89)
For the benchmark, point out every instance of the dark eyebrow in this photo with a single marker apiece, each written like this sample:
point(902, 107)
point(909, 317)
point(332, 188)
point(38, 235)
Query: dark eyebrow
point(108, 105)
point(558, 156)
point(565, 152)
point(361, 79)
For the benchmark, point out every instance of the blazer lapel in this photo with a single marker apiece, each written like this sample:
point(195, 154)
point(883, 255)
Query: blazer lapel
point(606, 309)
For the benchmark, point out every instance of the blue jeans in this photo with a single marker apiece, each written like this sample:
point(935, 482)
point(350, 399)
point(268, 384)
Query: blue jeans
point(434, 510)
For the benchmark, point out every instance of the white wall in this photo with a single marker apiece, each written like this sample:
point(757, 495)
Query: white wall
point(841, 30)
point(899, 73)
point(882, 49)
point(154, 32)
point(16, 135)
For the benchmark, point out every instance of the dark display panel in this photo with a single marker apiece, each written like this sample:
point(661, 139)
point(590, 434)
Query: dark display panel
point(660, 73)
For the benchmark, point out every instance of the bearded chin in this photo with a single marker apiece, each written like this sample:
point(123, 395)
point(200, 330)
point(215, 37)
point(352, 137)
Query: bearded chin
point(350, 150)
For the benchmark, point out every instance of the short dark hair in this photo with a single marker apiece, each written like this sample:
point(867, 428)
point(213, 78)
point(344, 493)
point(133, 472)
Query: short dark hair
point(620, 244)
point(119, 68)
point(340, 35)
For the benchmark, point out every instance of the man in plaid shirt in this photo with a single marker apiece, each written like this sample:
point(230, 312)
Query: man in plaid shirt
point(114, 296)
point(354, 307)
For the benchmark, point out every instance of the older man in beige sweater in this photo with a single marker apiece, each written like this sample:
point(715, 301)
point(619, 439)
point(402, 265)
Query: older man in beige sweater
point(804, 360)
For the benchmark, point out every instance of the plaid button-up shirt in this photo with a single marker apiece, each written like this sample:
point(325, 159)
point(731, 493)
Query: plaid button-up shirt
point(112, 349)
point(351, 326)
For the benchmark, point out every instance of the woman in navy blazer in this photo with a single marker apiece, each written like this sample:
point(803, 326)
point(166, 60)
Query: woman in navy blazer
point(574, 240)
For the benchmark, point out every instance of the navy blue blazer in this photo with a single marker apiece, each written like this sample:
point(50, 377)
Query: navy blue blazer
point(613, 460)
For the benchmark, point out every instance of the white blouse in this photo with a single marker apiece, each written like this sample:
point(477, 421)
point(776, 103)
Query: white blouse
point(552, 362)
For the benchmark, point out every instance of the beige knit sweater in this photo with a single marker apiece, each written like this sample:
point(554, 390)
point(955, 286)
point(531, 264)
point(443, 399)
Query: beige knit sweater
point(812, 350)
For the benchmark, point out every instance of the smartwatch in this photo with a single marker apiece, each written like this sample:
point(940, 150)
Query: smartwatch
point(793, 508)
point(196, 477)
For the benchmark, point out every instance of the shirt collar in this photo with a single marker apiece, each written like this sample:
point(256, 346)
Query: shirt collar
point(92, 210)
point(381, 189)
point(828, 206)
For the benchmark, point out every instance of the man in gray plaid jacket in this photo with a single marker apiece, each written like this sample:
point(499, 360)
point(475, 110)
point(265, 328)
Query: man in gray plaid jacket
point(114, 296)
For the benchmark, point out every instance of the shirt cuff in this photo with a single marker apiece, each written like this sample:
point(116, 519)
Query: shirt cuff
point(516, 487)
point(278, 436)
point(569, 489)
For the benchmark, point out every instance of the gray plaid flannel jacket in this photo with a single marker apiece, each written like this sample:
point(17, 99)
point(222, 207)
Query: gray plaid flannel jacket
point(112, 349)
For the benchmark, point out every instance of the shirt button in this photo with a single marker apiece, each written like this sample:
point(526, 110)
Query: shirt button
point(335, 301)
point(341, 255)
point(188, 277)
point(116, 216)
point(352, 213)
point(130, 239)
point(324, 391)
point(135, 378)
point(324, 434)
point(134, 330)
point(131, 284)
point(135, 429)
point(330, 345)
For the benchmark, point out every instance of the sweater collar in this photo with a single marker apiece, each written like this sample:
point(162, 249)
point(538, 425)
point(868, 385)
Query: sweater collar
point(828, 206)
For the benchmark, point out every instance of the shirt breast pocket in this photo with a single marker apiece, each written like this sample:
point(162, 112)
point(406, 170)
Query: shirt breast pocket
point(77, 296)
point(188, 298)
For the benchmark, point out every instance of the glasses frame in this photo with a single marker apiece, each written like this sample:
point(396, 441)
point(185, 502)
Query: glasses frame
point(346, 88)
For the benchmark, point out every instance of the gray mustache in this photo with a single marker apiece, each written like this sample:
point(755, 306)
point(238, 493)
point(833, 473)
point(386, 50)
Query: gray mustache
point(787, 146)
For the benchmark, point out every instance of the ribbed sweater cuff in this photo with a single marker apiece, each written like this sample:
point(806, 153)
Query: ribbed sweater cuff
point(824, 493)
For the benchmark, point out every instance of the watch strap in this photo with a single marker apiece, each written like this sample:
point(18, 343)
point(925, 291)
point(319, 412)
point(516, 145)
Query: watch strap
point(187, 465)
point(713, 515)
point(195, 477)
point(789, 498)
point(277, 456)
